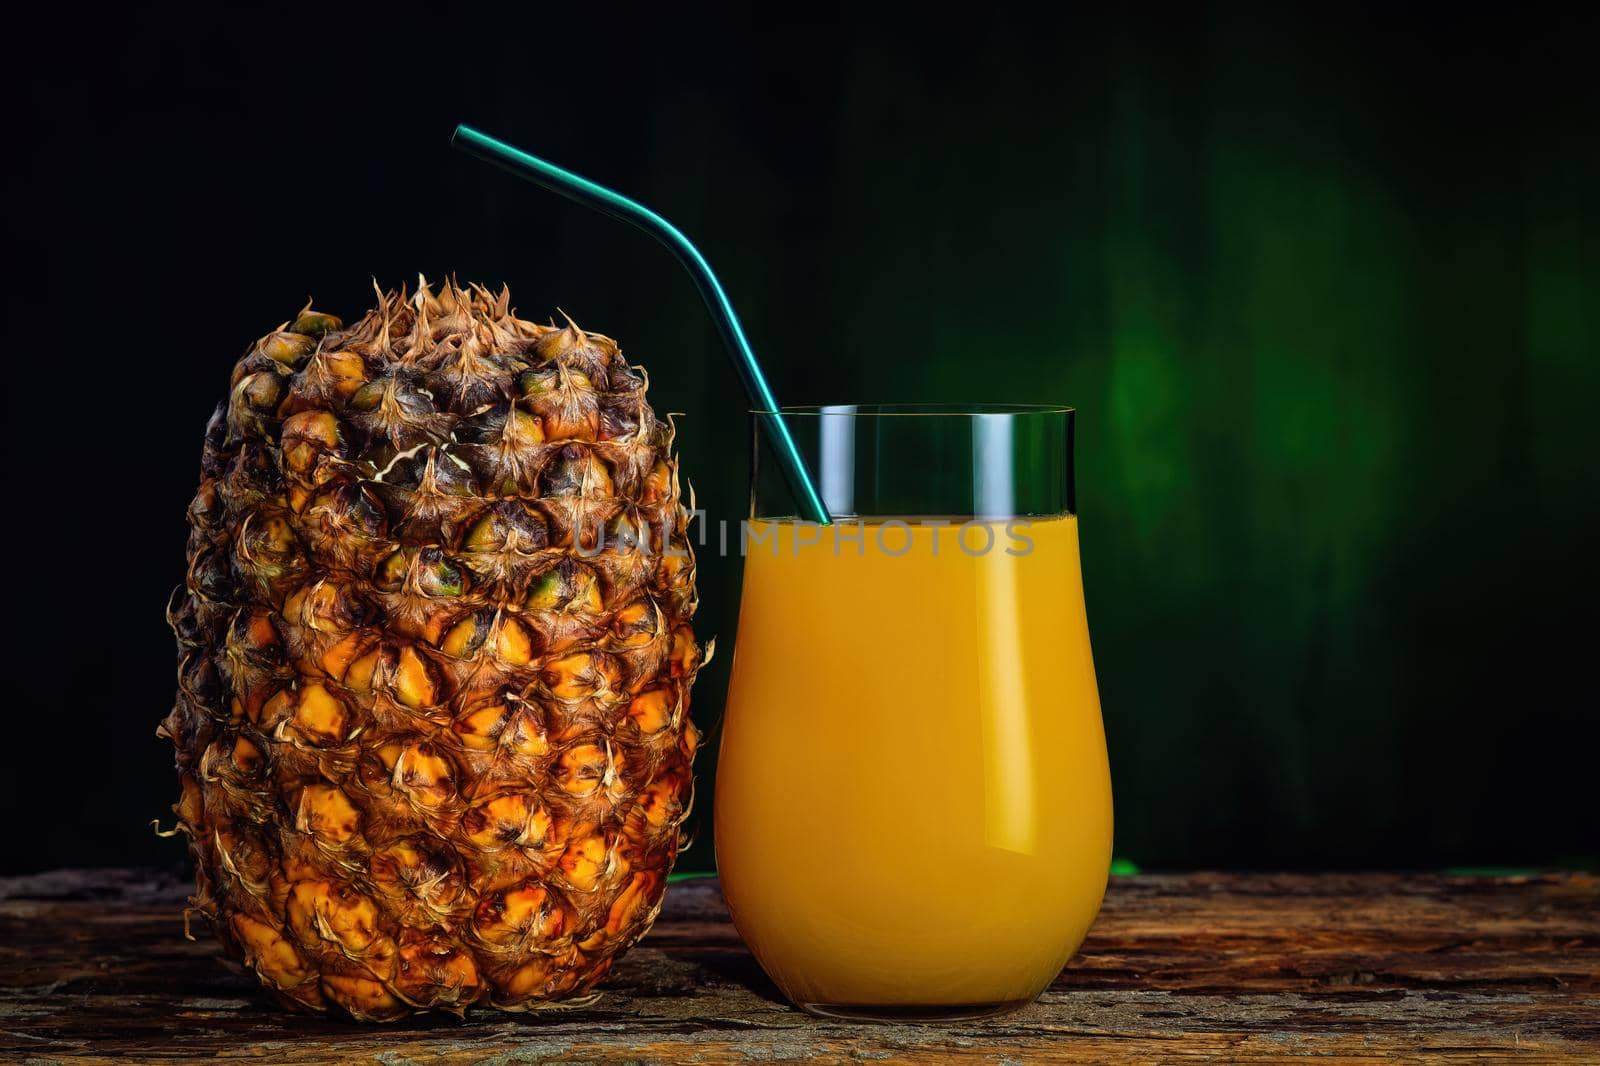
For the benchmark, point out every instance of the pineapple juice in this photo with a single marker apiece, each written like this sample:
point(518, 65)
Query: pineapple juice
point(913, 801)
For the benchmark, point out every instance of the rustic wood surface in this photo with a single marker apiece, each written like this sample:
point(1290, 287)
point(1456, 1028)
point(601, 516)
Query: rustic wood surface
point(1240, 968)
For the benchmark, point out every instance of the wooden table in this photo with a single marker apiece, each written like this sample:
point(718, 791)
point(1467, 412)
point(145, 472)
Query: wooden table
point(1235, 967)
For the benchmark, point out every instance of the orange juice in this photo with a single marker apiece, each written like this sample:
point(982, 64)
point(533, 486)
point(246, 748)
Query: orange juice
point(913, 804)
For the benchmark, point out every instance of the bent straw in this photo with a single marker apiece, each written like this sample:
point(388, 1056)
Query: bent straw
point(609, 202)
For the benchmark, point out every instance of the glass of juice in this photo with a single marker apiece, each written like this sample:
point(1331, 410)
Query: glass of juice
point(913, 802)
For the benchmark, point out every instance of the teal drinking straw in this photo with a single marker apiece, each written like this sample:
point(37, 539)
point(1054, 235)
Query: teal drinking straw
point(610, 202)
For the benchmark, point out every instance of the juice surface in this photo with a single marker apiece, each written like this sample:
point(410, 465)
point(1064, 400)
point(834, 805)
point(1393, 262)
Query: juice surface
point(913, 801)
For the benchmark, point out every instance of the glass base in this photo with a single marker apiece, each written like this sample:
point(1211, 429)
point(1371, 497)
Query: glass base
point(901, 1012)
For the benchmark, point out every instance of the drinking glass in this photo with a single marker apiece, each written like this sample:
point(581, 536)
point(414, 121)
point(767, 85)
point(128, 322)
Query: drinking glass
point(913, 802)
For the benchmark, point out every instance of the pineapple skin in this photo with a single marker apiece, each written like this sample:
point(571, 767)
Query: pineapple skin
point(434, 659)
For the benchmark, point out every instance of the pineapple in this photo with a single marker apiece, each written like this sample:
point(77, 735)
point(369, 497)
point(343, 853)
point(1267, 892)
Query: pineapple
point(435, 655)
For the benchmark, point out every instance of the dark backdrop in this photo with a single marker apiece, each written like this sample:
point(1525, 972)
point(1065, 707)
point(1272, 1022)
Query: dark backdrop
point(1325, 293)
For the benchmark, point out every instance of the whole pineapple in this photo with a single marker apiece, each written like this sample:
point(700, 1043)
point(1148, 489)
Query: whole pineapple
point(434, 659)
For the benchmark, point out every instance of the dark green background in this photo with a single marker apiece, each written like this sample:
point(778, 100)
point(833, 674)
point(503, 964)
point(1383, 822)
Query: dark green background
point(1323, 290)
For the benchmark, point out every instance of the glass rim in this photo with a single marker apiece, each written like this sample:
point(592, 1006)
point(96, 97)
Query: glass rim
point(914, 410)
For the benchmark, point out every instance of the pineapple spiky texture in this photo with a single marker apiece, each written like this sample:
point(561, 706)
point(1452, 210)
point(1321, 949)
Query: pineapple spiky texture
point(435, 656)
